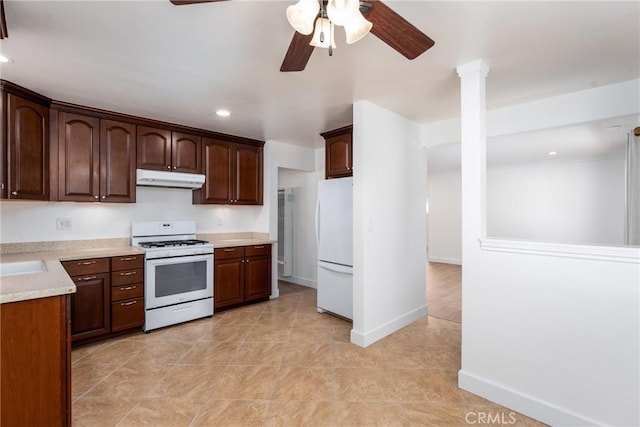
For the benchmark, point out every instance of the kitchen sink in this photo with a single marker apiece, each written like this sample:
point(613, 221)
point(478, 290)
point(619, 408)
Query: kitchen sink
point(18, 268)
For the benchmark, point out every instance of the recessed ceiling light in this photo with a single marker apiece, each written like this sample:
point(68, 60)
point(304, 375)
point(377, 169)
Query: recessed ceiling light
point(4, 59)
point(552, 153)
point(223, 113)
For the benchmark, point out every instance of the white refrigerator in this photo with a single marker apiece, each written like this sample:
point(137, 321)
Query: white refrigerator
point(334, 234)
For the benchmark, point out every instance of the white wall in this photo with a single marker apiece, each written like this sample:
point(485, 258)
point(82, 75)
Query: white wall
point(279, 155)
point(445, 234)
point(389, 175)
point(552, 331)
point(577, 201)
point(22, 221)
point(305, 194)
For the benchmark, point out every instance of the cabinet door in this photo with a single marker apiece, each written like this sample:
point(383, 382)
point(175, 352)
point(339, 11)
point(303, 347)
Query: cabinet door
point(154, 148)
point(248, 175)
point(217, 167)
point(28, 149)
point(79, 157)
point(228, 278)
point(338, 156)
point(91, 306)
point(35, 366)
point(117, 162)
point(257, 277)
point(185, 153)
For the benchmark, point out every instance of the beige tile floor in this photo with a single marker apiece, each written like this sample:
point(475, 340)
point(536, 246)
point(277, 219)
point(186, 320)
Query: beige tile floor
point(278, 363)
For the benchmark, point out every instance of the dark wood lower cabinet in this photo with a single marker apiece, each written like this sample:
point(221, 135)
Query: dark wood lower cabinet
point(109, 296)
point(90, 316)
point(242, 274)
point(35, 363)
point(228, 275)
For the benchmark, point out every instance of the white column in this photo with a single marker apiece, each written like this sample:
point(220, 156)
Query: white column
point(473, 152)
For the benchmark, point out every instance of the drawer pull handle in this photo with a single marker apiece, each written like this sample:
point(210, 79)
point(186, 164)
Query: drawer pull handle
point(129, 273)
point(86, 263)
point(229, 250)
point(131, 258)
point(84, 279)
point(124, 304)
point(128, 288)
point(259, 247)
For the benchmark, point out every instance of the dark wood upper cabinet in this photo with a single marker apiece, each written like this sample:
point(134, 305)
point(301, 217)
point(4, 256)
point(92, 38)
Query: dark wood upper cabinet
point(96, 159)
point(154, 148)
point(161, 149)
point(248, 175)
point(233, 173)
point(217, 159)
point(78, 157)
point(25, 174)
point(338, 152)
point(185, 153)
point(117, 161)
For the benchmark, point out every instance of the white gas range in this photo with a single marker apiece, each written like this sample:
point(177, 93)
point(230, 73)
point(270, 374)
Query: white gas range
point(178, 274)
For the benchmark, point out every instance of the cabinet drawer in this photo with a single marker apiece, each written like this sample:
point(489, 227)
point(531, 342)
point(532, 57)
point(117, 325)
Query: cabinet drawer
point(83, 267)
point(257, 250)
point(227, 253)
point(127, 314)
point(127, 276)
point(127, 262)
point(122, 292)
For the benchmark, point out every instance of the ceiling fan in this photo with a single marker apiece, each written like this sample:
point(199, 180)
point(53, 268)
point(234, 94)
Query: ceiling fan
point(388, 26)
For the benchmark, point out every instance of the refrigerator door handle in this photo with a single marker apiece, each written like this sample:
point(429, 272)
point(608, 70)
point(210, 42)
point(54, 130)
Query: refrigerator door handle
point(317, 222)
point(336, 267)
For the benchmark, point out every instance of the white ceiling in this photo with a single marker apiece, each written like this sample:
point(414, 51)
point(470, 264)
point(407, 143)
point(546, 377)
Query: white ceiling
point(180, 64)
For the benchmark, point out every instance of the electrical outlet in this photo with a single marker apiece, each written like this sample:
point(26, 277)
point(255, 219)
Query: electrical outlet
point(63, 223)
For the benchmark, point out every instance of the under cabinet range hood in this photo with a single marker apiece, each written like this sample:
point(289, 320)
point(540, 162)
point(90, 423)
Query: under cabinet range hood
point(151, 178)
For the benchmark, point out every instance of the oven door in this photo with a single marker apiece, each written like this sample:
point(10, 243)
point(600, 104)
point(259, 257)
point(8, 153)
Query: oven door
point(175, 280)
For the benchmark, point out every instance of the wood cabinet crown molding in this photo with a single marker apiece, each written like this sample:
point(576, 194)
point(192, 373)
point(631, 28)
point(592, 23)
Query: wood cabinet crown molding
point(9, 87)
point(337, 132)
point(143, 121)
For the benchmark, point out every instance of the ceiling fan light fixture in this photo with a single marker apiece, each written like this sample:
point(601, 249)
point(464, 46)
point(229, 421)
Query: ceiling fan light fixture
point(324, 34)
point(341, 12)
point(302, 15)
point(357, 28)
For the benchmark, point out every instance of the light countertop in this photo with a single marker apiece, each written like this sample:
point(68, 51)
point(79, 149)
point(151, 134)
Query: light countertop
point(54, 280)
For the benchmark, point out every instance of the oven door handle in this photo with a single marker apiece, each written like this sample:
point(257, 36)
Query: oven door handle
point(178, 260)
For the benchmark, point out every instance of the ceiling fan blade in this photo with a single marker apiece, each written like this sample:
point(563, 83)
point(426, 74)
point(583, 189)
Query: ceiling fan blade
point(298, 53)
point(396, 31)
point(184, 2)
point(3, 22)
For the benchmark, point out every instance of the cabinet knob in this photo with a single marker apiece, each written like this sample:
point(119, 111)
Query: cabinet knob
point(95, 197)
point(168, 167)
point(104, 197)
point(15, 193)
point(175, 167)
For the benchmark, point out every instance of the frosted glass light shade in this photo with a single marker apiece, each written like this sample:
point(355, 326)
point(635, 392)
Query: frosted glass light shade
point(342, 11)
point(302, 15)
point(324, 25)
point(357, 28)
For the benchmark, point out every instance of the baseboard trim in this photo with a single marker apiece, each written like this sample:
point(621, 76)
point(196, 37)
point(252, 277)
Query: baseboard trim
point(364, 339)
point(299, 281)
point(445, 260)
point(520, 402)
